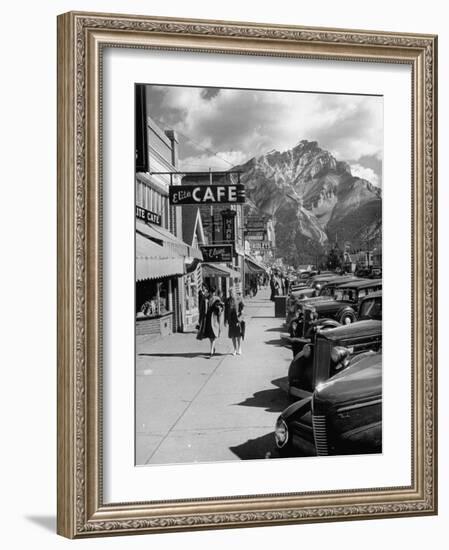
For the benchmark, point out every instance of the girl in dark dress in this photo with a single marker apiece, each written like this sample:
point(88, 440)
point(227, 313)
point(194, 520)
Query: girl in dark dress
point(234, 320)
point(214, 312)
point(203, 297)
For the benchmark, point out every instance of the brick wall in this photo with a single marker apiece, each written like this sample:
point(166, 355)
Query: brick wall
point(160, 325)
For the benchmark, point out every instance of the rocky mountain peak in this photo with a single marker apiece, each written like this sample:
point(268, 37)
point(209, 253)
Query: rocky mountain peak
point(315, 194)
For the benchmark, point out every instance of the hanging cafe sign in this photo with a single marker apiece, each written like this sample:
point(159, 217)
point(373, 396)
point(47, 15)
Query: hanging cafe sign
point(206, 194)
point(216, 253)
point(147, 216)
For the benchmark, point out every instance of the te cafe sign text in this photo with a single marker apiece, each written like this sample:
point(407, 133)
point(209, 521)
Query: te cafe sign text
point(206, 194)
point(147, 216)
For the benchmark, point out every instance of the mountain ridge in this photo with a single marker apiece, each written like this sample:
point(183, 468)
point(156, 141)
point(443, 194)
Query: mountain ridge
point(313, 199)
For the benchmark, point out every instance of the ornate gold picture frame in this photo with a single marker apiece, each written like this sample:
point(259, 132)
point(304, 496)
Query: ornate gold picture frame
point(82, 40)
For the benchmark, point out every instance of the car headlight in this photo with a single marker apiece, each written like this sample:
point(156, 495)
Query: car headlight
point(281, 432)
point(340, 355)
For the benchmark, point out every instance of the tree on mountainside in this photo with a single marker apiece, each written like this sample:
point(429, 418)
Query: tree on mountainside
point(334, 258)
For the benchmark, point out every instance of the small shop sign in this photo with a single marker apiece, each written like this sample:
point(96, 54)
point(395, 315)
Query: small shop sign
point(147, 216)
point(217, 253)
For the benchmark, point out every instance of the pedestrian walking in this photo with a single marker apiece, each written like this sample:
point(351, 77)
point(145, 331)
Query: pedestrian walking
point(282, 280)
point(254, 287)
point(214, 313)
point(203, 294)
point(235, 321)
point(203, 298)
point(274, 286)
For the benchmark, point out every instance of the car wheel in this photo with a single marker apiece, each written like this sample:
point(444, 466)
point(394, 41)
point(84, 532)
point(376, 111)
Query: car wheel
point(347, 319)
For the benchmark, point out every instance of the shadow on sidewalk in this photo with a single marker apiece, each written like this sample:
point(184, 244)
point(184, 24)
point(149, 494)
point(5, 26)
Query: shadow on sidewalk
point(275, 342)
point(281, 383)
point(272, 400)
point(256, 448)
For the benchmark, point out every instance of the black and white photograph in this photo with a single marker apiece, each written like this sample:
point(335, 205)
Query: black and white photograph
point(258, 274)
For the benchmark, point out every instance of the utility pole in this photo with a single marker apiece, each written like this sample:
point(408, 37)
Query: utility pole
point(212, 227)
point(243, 241)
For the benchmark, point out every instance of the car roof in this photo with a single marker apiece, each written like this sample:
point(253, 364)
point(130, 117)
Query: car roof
point(344, 279)
point(321, 276)
point(362, 283)
point(359, 328)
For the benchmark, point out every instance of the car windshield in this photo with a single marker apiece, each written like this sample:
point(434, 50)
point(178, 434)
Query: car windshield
point(371, 308)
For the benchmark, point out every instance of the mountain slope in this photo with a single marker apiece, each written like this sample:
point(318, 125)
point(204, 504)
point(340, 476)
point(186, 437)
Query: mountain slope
point(313, 199)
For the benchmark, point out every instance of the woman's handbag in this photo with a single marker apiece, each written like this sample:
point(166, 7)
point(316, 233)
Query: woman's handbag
point(242, 328)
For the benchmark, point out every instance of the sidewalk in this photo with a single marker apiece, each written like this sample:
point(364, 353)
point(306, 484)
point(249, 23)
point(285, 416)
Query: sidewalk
point(190, 408)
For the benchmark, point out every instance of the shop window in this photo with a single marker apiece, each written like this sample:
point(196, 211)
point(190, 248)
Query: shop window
point(191, 292)
point(152, 298)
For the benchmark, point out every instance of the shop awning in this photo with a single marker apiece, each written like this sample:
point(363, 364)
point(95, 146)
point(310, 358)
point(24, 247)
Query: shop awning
point(154, 261)
point(252, 266)
point(219, 270)
point(163, 237)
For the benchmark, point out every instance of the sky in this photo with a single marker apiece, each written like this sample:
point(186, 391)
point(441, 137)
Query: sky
point(219, 128)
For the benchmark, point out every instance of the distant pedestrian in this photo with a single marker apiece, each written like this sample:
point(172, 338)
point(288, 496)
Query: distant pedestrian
point(214, 312)
point(274, 286)
point(235, 321)
point(254, 286)
point(282, 283)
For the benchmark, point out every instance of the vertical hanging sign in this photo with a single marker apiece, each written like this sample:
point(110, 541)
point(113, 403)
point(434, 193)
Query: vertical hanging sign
point(228, 227)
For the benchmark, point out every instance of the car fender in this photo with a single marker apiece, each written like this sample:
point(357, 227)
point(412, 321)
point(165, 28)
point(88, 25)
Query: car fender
point(299, 408)
point(299, 362)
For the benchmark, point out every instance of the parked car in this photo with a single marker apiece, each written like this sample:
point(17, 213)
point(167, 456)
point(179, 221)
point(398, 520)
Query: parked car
point(328, 351)
point(344, 305)
point(306, 275)
point(297, 343)
point(343, 416)
point(305, 289)
point(295, 317)
point(364, 272)
point(376, 272)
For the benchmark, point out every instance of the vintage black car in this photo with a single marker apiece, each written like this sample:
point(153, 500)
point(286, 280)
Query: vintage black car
point(343, 416)
point(297, 302)
point(328, 351)
point(308, 289)
point(343, 307)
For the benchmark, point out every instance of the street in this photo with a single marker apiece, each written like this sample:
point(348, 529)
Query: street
point(190, 408)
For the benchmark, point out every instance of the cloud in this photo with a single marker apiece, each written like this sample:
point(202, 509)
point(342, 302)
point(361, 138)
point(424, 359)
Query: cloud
point(223, 161)
point(365, 173)
point(249, 123)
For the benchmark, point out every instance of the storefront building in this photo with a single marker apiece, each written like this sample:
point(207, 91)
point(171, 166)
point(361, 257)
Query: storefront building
point(222, 226)
point(165, 264)
point(193, 235)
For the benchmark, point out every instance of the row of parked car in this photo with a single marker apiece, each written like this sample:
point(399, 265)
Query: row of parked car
point(335, 377)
